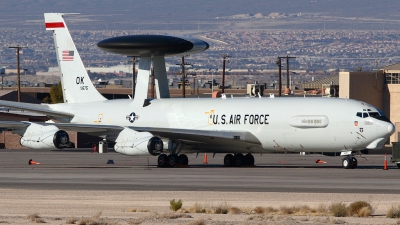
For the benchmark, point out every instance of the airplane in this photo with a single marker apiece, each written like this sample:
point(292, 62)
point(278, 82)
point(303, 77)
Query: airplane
point(170, 128)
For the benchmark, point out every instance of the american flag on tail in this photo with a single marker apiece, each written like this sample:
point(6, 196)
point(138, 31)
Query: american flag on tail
point(67, 55)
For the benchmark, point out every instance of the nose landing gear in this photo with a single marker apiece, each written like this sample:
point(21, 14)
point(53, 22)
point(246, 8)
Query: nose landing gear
point(349, 162)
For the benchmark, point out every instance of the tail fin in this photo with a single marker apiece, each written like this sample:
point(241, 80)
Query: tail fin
point(75, 81)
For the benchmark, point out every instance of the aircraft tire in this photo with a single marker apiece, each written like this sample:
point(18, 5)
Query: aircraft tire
point(249, 159)
point(173, 160)
point(354, 163)
point(347, 162)
point(228, 160)
point(238, 160)
point(183, 160)
point(162, 160)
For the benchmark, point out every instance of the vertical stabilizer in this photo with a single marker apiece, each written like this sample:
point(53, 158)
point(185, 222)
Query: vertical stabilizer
point(76, 84)
point(142, 83)
point(161, 80)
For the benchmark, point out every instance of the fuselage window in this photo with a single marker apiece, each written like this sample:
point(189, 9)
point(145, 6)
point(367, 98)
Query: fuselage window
point(359, 114)
point(365, 115)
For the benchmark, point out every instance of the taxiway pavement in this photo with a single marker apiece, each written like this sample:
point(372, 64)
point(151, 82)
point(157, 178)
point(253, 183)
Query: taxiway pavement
point(81, 170)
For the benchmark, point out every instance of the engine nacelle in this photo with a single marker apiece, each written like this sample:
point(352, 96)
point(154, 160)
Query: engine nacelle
point(44, 137)
point(130, 142)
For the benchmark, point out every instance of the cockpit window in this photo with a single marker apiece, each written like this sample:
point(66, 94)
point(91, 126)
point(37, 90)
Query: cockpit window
point(374, 114)
point(380, 112)
point(369, 113)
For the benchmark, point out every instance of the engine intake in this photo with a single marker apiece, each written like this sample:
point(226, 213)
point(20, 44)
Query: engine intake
point(134, 143)
point(155, 146)
point(44, 137)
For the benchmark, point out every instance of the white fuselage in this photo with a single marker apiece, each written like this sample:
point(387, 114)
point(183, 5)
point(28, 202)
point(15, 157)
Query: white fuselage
point(280, 124)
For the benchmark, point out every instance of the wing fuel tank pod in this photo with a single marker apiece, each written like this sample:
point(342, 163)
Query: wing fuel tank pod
point(153, 45)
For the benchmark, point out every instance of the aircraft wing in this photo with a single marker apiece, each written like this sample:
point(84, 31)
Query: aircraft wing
point(185, 135)
point(86, 128)
point(43, 109)
point(202, 136)
point(14, 124)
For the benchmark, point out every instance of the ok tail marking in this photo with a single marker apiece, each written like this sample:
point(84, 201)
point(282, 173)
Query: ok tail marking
point(76, 84)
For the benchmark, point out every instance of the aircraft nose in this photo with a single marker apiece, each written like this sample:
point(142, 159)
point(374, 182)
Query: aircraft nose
point(390, 129)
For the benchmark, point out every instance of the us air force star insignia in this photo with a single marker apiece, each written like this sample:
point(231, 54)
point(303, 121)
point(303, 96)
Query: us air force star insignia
point(132, 117)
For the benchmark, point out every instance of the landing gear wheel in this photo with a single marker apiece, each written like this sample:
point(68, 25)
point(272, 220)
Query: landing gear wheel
point(183, 160)
point(238, 160)
point(228, 160)
point(173, 160)
point(162, 160)
point(347, 162)
point(354, 163)
point(249, 159)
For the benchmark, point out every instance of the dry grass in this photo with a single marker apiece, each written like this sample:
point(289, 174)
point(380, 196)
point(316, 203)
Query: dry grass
point(130, 210)
point(355, 208)
point(338, 209)
point(234, 210)
point(360, 209)
point(71, 220)
point(222, 208)
point(34, 217)
point(365, 212)
point(393, 212)
point(321, 209)
point(196, 208)
point(284, 210)
point(259, 210)
point(95, 220)
point(143, 210)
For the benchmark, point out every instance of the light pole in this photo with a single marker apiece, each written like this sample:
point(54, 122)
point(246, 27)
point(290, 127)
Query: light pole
point(18, 70)
point(183, 84)
point(2, 72)
point(223, 71)
point(212, 80)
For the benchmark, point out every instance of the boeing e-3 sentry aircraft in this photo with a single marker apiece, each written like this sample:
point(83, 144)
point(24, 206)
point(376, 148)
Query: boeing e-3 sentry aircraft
point(170, 127)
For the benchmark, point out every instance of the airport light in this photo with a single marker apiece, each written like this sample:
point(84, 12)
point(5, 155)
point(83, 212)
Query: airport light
point(18, 48)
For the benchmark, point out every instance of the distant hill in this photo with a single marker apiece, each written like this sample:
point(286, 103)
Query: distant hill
point(205, 14)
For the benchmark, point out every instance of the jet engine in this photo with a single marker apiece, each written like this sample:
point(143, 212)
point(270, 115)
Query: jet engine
point(130, 142)
point(44, 137)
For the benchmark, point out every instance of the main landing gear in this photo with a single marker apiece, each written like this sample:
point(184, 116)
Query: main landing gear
point(239, 160)
point(172, 160)
point(349, 162)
